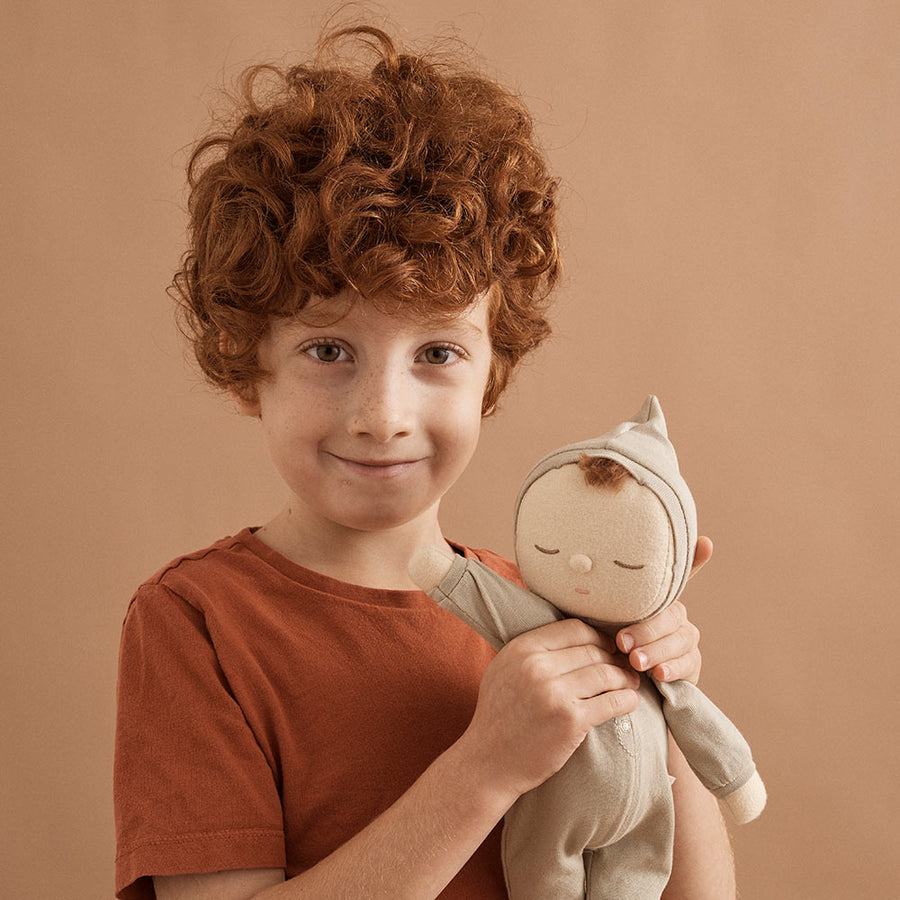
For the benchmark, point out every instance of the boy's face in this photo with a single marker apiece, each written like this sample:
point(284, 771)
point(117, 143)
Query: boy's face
point(370, 419)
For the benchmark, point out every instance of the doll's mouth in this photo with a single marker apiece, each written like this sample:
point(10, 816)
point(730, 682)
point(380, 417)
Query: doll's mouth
point(582, 591)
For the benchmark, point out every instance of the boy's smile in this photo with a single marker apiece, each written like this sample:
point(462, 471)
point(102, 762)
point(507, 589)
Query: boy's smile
point(371, 417)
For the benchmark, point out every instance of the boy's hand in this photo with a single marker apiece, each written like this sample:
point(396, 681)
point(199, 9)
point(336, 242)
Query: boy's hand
point(667, 644)
point(540, 696)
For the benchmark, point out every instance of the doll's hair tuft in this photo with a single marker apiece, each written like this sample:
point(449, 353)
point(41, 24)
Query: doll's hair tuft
point(416, 182)
point(600, 471)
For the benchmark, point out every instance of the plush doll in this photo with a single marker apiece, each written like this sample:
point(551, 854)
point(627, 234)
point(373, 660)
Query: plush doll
point(605, 532)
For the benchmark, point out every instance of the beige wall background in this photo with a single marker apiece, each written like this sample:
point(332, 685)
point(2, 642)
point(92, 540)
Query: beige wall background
point(730, 196)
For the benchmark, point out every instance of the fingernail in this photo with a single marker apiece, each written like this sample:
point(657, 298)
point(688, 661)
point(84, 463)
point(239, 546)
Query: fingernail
point(665, 673)
point(627, 643)
point(642, 660)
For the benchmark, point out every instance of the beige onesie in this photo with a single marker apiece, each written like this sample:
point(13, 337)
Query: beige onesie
point(602, 827)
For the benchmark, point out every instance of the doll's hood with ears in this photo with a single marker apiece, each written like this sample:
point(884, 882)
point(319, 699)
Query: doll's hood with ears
point(643, 447)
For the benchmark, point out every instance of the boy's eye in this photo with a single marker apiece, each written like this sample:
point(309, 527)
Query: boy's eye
point(325, 352)
point(440, 356)
point(543, 550)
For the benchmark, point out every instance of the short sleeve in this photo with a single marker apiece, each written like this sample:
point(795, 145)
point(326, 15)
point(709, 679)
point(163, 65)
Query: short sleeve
point(194, 791)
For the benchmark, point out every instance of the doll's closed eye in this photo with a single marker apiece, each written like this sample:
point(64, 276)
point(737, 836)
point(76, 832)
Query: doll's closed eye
point(549, 552)
point(626, 566)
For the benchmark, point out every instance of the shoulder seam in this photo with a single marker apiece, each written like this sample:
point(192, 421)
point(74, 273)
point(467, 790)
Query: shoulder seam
point(188, 557)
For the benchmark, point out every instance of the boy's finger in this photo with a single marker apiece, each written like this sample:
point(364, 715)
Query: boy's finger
point(608, 706)
point(590, 681)
point(684, 668)
point(702, 553)
point(563, 634)
point(558, 663)
point(667, 622)
point(668, 648)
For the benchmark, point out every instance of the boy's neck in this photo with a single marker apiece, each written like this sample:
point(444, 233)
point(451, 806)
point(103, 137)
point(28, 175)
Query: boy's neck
point(376, 559)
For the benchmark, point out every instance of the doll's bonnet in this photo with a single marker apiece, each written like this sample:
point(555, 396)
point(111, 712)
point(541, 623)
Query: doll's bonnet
point(642, 446)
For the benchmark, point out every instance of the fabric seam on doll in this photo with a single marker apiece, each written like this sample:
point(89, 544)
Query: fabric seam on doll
point(460, 569)
point(619, 729)
point(730, 787)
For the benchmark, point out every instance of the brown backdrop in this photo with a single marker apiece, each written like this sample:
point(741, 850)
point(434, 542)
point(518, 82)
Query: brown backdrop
point(730, 194)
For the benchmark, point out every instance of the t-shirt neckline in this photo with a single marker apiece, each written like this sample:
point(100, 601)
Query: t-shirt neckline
point(318, 581)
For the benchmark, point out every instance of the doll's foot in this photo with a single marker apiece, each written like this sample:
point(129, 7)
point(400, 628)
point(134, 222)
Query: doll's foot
point(747, 802)
point(429, 566)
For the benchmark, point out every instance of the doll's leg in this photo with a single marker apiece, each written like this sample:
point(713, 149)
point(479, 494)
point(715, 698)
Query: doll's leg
point(536, 864)
point(637, 867)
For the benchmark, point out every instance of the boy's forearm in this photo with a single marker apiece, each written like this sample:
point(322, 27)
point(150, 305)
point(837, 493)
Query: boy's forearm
point(703, 864)
point(416, 847)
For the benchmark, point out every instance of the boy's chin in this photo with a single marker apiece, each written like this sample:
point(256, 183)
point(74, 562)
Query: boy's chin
point(380, 521)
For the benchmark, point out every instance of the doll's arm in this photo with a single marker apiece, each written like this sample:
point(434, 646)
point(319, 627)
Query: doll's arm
point(714, 749)
point(748, 801)
point(429, 566)
point(498, 609)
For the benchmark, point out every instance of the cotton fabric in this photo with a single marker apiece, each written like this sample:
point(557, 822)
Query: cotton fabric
point(268, 713)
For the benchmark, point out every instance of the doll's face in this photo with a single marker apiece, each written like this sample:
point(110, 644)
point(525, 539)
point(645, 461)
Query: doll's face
point(598, 553)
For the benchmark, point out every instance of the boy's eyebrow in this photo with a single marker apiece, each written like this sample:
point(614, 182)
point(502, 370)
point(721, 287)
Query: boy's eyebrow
point(297, 323)
point(456, 319)
point(456, 322)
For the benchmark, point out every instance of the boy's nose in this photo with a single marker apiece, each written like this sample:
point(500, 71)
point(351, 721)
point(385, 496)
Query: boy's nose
point(580, 563)
point(382, 407)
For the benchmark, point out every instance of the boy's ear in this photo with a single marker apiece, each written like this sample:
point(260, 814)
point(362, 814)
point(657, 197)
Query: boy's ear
point(245, 396)
point(246, 399)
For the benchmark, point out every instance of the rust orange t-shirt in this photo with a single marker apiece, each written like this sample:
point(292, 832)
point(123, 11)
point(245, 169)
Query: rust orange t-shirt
point(267, 713)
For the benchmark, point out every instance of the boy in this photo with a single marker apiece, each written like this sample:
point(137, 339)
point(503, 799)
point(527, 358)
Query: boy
point(370, 256)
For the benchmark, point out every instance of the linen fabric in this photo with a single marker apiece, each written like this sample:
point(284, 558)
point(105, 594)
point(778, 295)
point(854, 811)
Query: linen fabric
point(268, 713)
point(603, 826)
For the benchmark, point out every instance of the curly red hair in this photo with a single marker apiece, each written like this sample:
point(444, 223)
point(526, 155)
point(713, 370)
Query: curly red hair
point(600, 471)
point(417, 184)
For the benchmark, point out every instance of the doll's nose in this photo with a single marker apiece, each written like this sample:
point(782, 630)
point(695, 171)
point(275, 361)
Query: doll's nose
point(580, 563)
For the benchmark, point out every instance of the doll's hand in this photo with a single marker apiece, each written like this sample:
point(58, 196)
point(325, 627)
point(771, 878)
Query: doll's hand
point(748, 801)
point(667, 644)
point(429, 566)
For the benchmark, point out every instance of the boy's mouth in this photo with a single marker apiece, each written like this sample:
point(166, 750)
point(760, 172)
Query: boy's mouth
point(377, 468)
